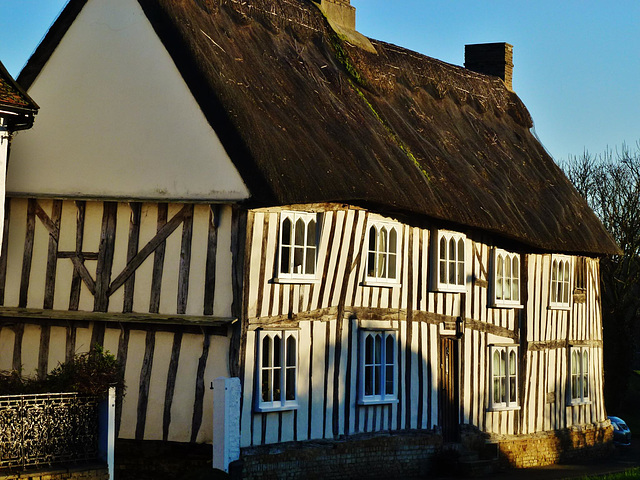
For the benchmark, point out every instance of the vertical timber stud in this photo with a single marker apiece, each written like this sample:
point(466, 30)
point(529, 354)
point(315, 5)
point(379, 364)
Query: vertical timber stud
point(210, 266)
point(171, 383)
point(132, 250)
point(28, 252)
point(241, 226)
point(105, 256)
point(5, 246)
point(185, 262)
point(52, 257)
point(76, 280)
point(145, 380)
point(198, 405)
point(523, 321)
point(158, 262)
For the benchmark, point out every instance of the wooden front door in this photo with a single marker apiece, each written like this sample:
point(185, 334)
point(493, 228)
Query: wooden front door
point(448, 397)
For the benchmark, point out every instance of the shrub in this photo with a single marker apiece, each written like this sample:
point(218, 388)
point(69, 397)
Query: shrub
point(90, 373)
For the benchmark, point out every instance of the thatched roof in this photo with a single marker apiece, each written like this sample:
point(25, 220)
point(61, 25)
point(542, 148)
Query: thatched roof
point(307, 118)
point(16, 107)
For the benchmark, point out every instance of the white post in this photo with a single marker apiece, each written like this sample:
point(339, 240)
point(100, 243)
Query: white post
point(107, 430)
point(226, 422)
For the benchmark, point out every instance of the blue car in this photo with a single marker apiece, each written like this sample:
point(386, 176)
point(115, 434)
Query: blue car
point(621, 433)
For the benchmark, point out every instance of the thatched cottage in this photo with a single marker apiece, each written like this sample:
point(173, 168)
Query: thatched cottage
point(371, 240)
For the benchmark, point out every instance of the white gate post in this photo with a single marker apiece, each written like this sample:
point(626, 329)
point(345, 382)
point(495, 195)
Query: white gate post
point(226, 422)
point(107, 430)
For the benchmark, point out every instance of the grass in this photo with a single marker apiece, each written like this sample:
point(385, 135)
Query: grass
point(627, 474)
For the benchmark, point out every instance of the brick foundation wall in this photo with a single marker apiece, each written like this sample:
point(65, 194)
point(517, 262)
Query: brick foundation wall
point(383, 456)
point(547, 448)
point(92, 472)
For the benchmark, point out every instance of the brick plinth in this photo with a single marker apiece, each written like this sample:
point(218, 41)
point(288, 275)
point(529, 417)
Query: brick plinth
point(92, 472)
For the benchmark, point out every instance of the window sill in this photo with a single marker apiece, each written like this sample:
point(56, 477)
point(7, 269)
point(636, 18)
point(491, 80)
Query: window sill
point(367, 402)
point(380, 283)
point(516, 306)
point(296, 280)
point(577, 403)
point(450, 289)
point(559, 306)
point(499, 408)
point(279, 408)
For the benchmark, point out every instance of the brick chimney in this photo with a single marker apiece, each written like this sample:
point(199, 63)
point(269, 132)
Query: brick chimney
point(491, 59)
point(342, 18)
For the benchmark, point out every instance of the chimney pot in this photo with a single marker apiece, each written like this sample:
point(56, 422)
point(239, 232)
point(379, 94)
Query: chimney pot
point(491, 59)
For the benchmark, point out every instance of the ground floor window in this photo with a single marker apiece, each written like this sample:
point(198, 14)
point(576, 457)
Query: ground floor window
point(579, 364)
point(377, 376)
point(504, 376)
point(277, 370)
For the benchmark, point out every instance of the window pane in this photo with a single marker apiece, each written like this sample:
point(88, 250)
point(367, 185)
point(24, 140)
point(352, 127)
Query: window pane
point(266, 352)
point(378, 349)
point(285, 260)
point(554, 281)
point(496, 390)
point(512, 389)
point(382, 265)
point(499, 277)
point(443, 248)
point(290, 389)
point(368, 350)
point(452, 250)
point(389, 350)
point(311, 233)
point(368, 380)
point(378, 380)
point(371, 264)
point(392, 265)
point(393, 240)
point(300, 230)
point(382, 240)
point(503, 385)
point(575, 364)
point(443, 271)
point(291, 351)
point(512, 362)
point(310, 266)
point(276, 385)
point(266, 385)
point(276, 352)
point(388, 380)
point(286, 232)
point(460, 279)
point(496, 363)
point(298, 259)
point(452, 273)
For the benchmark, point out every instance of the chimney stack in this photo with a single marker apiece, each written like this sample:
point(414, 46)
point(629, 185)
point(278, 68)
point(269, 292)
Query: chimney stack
point(491, 59)
point(341, 15)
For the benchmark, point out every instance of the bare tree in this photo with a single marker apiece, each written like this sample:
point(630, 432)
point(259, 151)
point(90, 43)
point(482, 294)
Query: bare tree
point(610, 182)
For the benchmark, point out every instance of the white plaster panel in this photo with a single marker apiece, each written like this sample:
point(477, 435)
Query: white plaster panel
point(117, 120)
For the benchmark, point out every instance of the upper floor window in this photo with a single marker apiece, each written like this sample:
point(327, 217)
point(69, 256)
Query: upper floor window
point(506, 278)
point(277, 370)
point(560, 295)
point(579, 375)
point(382, 252)
point(298, 246)
point(504, 377)
point(449, 254)
point(377, 382)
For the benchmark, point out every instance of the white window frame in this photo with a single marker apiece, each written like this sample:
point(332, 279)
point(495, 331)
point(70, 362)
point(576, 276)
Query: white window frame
point(443, 260)
point(289, 275)
point(385, 254)
point(506, 277)
point(281, 371)
point(579, 368)
point(560, 282)
point(503, 378)
point(381, 389)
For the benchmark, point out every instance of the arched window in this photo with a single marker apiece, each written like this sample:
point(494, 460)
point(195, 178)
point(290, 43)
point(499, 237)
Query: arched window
point(579, 375)
point(504, 377)
point(382, 254)
point(560, 287)
point(377, 382)
point(506, 278)
point(298, 245)
point(277, 370)
point(450, 273)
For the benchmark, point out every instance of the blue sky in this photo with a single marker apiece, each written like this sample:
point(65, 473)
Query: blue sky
point(577, 62)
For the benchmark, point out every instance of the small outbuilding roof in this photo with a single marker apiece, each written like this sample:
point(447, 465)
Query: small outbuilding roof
point(17, 109)
point(308, 117)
